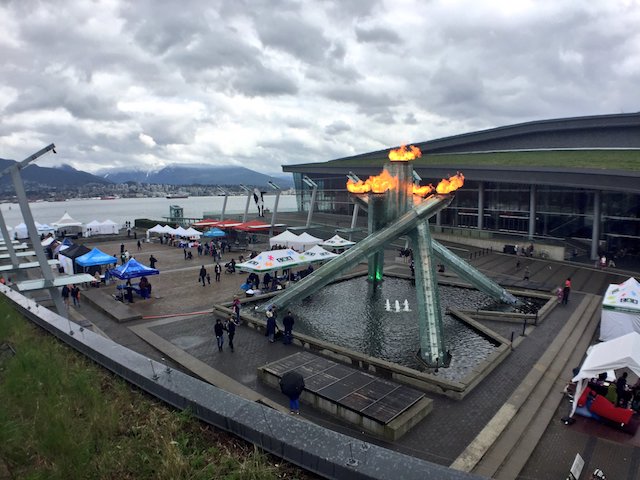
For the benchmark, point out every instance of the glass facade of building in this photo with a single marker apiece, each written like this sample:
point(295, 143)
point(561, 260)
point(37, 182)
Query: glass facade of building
point(560, 212)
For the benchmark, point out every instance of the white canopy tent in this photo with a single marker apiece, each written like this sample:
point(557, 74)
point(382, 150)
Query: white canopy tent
point(273, 260)
point(68, 224)
point(20, 231)
point(621, 352)
point(92, 228)
point(285, 238)
point(159, 229)
point(109, 227)
point(305, 241)
point(180, 232)
point(319, 254)
point(337, 242)
point(620, 310)
point(192, 232)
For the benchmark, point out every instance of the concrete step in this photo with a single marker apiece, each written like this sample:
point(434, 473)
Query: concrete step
point(543, 403)
point(488, 451)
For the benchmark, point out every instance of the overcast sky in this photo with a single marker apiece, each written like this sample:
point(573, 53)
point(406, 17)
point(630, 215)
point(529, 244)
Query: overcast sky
point(263, 83)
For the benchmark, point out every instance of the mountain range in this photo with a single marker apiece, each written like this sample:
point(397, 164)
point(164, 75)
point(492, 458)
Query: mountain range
point(67, 176)
point(197, 175)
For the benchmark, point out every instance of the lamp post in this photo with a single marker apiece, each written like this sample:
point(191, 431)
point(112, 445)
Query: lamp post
point(356, 207)
point(314, 191)
point(275, 205)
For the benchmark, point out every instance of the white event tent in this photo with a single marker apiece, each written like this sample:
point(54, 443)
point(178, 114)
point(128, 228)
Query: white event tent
point(68, 224)
point(159, 229)
point(621, 352)
point(620, 310)
point(305, 241)
point(108, 227)
point(285, 238)
point(192, 232)
point(273, 260)
point(337, 242)
point(20, 231)
point(319, 254)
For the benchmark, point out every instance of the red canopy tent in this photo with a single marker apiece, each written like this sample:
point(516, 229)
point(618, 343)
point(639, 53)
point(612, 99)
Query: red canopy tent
point(207, 222)
point(252, 226)
point(228, 224)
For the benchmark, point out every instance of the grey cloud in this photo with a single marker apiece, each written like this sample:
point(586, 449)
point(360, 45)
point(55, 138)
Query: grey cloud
point(337, 127)
point(377, 35)
point(367, 102)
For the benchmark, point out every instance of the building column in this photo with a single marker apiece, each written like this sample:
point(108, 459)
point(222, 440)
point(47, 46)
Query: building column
point(595, 232)
point(532, 211)
point(480, 205)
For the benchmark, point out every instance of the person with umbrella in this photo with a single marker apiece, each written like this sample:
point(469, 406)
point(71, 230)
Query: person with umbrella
point(292, 385)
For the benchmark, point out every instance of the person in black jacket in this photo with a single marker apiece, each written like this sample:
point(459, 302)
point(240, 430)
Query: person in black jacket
point(219, 331)
point(288, 322)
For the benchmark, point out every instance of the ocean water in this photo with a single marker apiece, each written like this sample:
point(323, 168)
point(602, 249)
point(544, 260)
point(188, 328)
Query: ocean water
point(121, 210)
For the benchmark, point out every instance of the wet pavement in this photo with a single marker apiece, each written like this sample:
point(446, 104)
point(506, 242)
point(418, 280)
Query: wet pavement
point(175, 313)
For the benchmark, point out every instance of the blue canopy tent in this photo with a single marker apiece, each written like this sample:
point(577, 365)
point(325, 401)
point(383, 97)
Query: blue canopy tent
point(132, 269)
point(92, 260)
point(214, 233)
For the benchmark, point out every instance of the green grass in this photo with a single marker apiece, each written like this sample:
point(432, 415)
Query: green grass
point(63, 417)
point(596, 159)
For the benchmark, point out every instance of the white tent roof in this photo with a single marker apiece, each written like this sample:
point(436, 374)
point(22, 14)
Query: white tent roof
point(273, 260)
point(180, 231)
point(286, 238)
point(192, 232)
point(337, 242)
point(93, 224)
point(109, 222)
point(308, 239)
point(319, 254)
point(169, 230)
point(157, 229)
point(624, 296)
point(621, 352)
point(67, 221)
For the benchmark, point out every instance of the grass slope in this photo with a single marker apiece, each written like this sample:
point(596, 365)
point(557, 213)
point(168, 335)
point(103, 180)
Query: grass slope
point(63, 417)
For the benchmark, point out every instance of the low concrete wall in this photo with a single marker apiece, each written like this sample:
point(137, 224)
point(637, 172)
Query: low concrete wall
point(554, 252)
point(314, 448)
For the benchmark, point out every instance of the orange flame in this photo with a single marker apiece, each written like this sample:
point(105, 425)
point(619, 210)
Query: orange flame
point(378, 184)
point(402, 154)
point(423, 191)
point(448, 186)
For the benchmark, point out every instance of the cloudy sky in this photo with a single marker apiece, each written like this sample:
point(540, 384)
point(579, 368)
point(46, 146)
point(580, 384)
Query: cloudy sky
point(262, 83)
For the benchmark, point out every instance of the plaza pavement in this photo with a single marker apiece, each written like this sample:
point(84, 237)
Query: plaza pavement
point(173, 315)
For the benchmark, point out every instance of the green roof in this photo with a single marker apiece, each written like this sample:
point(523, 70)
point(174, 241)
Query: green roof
point(593, 159)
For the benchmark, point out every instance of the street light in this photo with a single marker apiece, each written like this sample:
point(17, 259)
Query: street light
point(224, 202)
point(246, 207)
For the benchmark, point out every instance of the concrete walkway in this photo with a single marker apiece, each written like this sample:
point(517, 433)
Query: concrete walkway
point(502, 429)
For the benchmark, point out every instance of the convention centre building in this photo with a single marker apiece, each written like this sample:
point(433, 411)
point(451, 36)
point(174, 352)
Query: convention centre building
point(573, 180)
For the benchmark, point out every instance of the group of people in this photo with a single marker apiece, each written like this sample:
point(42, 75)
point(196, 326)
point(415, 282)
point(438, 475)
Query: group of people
point(69, 293)
point(204, 277)
point(625, 396)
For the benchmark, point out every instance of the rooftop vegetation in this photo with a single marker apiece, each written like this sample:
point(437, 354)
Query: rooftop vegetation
point(580, 159)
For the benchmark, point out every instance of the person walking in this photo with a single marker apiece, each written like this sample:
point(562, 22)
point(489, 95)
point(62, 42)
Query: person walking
point(231, 330)
point(288, 322)
point(219, 331)
point(526, 273)
point(152, 261)
point(65, 295)
point(566, 291)
point(139, 245)
point(235, 306)
point(218, 270)
point(203, 276)
point(271, 325)
point(75, 294)
point(292, 385)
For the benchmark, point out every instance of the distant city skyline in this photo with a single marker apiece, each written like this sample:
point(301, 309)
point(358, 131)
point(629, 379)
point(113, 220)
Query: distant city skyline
point(147, 85)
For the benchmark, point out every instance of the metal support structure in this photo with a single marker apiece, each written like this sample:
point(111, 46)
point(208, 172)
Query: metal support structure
point(595, 232)
point(10, 250)
point(532, 212)
point(224, 202)
point(432, 349)
point(27, 217)
point(480, 205)
point(354, 219)
point(469, 273)
point(312, 204)
point(275, 206)
point(246, 207)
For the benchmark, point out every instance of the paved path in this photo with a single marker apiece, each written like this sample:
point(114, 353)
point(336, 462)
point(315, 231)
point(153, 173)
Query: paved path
point(445, 434)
